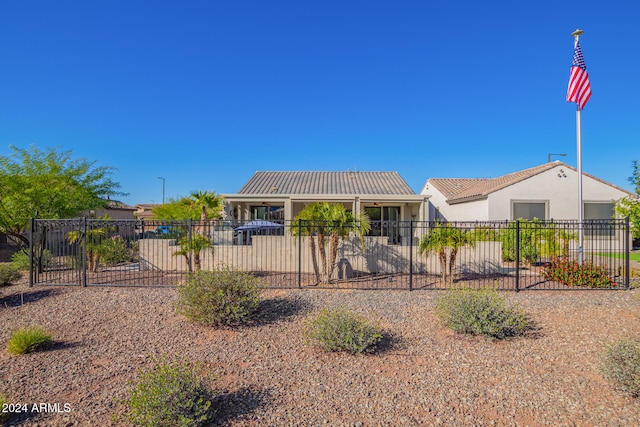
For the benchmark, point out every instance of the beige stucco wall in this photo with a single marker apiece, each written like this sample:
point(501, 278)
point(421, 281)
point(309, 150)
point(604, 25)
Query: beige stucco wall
point(280, 254)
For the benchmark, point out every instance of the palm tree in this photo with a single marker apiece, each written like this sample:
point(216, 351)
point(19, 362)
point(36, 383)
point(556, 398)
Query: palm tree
point(445, 241)
point(191, 248)
point(208, 203)
point(324, 219)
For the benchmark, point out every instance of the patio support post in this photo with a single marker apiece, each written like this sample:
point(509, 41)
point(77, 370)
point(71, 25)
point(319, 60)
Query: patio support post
point(517, 255)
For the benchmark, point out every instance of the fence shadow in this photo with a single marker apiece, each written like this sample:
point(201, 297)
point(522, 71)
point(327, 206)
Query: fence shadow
point(18, 299)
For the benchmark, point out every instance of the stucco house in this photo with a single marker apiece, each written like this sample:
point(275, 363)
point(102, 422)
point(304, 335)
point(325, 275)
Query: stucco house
point(281, 195)
point(548, 191)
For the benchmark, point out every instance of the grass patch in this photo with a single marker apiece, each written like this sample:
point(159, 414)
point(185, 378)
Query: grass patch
point(28, 340)
point(340, 329)
point(169, 394)
point(632, 257)
point(4, 416)
point(480, 312)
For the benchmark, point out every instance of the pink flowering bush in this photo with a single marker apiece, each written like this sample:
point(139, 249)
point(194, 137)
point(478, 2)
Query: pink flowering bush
point(571, 273)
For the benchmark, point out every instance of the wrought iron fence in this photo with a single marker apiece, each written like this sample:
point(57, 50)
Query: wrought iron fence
point(506, 255)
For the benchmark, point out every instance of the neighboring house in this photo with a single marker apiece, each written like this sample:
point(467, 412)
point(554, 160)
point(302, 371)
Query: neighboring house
point(115, 210)
point(548, 191)
point(144, 210)
point(384, 196)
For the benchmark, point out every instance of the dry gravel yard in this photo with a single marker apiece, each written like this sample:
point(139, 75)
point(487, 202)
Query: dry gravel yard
point(267, 376)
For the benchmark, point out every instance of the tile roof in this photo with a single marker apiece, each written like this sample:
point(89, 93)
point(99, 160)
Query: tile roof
point(309, 182)
point(461, 189)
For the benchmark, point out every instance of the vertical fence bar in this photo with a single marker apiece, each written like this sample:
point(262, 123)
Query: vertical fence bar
point(411, 254)
point(83, 273)
point(31, 272)
point(299, 253)
point(517, 255)
point(627, 263)
point(189, 245)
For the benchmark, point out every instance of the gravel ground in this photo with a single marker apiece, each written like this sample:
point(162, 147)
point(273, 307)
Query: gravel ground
point(266, 375)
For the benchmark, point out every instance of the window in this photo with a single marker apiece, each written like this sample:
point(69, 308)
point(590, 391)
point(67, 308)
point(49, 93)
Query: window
point(529, 210)
point(384, 222)
point(267, 212)
point(596, 216)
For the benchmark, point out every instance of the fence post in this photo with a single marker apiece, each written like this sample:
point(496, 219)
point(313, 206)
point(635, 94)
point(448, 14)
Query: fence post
point(299, 253)
point(410, 254)
point(31, 271)
point(189, 246)
point(627, 264)
point(517, 255)
point(84, 252)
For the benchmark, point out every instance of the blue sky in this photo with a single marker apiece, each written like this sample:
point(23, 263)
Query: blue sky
point(205, 93)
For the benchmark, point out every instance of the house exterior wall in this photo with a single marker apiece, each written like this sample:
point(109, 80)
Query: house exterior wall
point(558, 188)
point(439, 209)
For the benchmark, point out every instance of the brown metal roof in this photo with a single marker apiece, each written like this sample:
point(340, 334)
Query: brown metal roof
point(356, 183)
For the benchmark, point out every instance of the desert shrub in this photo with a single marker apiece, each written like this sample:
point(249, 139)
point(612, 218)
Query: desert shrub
point(530, 235)
point(571, 273)
point(28, 340)
point(116, 250)
point(621, 365)
point(340, 329)
point(9, 273)
point(20, 259)
point(480, 312)
point(4, 416)
point(169, 394)
point(220, 297)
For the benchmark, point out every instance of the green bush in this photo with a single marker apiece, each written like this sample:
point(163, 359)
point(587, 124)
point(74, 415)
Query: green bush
point(480, 312)
point(29, 339)
point(9, 273)
point(220, 297)
point(169, 394)
point(20, 259)
point(530, 234)
point(621, 366)
point(4, 416)
point(340, 329)
point(571, 273)
point(116, 250)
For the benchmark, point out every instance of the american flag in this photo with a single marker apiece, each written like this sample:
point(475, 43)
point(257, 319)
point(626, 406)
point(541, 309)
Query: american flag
point(579, 90)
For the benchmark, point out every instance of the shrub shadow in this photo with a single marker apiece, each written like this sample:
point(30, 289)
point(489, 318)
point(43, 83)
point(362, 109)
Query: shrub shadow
point(387, 343)
point(276, 309)
point(233, 405)
point(533, 329)
point(18, 299)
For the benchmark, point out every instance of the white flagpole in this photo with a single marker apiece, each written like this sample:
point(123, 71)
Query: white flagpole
point(576, 37)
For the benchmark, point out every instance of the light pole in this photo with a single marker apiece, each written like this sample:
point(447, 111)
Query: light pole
point(162, 188)
point(554, 154)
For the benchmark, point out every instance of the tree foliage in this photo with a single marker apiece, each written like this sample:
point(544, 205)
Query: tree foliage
point(630, 206)
point(51, 184)
point(322, 222)
point(199, 205)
